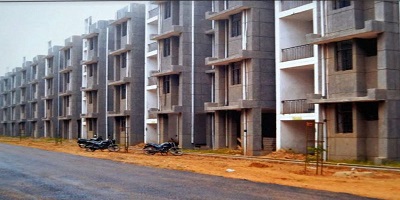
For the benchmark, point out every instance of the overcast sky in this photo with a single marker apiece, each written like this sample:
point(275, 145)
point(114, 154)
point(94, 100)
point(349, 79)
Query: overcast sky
point(26, 27)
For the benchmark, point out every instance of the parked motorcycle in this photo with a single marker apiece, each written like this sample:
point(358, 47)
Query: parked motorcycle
point(105, 144)
point(163, 148)
point(83, 142)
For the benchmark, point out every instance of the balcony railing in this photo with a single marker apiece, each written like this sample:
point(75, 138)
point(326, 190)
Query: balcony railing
point(297, 106)
point(152, 46)
point(151, 81)
point(289, 4)
point(153, 12)
point(298, 52)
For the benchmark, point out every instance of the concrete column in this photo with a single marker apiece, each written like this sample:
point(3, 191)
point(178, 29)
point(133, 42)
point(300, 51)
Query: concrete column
point(254, 132)
point(220, 131)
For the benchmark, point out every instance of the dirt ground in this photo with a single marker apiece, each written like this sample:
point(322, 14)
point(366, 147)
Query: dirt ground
point(383, 185)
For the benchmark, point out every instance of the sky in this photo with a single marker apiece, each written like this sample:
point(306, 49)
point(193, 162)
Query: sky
point(27, 27)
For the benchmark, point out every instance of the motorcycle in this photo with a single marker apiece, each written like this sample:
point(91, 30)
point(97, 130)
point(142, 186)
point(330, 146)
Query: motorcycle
point(163, 148)
point(83, 142)
point(105, 144)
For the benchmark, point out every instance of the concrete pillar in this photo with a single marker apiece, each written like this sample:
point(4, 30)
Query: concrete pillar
point(254, 132)
point(220, 131)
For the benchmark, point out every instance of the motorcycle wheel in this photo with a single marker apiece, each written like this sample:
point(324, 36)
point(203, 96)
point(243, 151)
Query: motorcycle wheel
point(113, 148)
point(90, 149)
point(176, 151)
point(82, 145)
point(149, 151)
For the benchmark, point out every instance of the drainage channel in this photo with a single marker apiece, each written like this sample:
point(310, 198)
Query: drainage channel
point(292, 161)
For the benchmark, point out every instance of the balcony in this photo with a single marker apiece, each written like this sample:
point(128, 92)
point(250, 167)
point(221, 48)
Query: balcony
point(152, 46)
point(175, 30)
point(373, 94)
point(152, 113)
point(153, 12)
point(124, 48)
point(298, 52)
point(289, 4)
point(225, 14)
point(241, 55)
point(296, 106)
point(170, 69)
point(151, 81)
point(371, 29)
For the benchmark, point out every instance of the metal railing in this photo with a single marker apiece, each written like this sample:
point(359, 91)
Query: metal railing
point(297, 106)
point(289, 4)
point(297, 52)
point(152, 46)
point(153, 12)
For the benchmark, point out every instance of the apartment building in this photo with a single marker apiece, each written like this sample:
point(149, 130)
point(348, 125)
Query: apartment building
point(127, 70)
point(5, 104)
point(297, 71)
point(51, 85)
point(241, 110)
point(35, 103)
point(15, 80)
point(70, 82)
point(24, 74)
point(95, 60)
point(183, 86)
point(338, 60)
point(151, 65)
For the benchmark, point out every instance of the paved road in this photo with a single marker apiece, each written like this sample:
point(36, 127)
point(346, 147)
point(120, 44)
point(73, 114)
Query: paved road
point(27, 173)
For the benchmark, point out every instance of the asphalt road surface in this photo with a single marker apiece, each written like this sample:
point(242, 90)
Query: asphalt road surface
point(27, 173)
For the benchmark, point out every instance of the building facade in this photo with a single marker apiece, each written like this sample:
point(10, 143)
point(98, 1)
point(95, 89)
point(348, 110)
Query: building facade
point(297, 71)
point(183, 87)
point(127, 70)
point(50, 97)
point(151, 65)
point(70, 82)
point(338, 59)
point(24, 73)
point(36, 104)
point(252, 75)
point(95, 60)
point(241, 112)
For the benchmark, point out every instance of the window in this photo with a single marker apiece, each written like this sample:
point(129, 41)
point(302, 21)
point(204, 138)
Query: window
point(236, 21)
point(34, 76)
point(344, 54)
point(236, 73)
point(124, 28)
point(92, 69)
point(123, 91)
point(369, 110)
point(344, 118)
point(167, 47)
point(90, 97)
point(67, 76)
point(23, 76)
point(67, 54)
point(92, 125)
point(49, 65)
point(49, 104)
point(370, 46)
point(67, 101)
point(92, 42)
point(123, 60)
point(166, 84)
point(341, 4)
point(167, 10)
point(49, 83)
